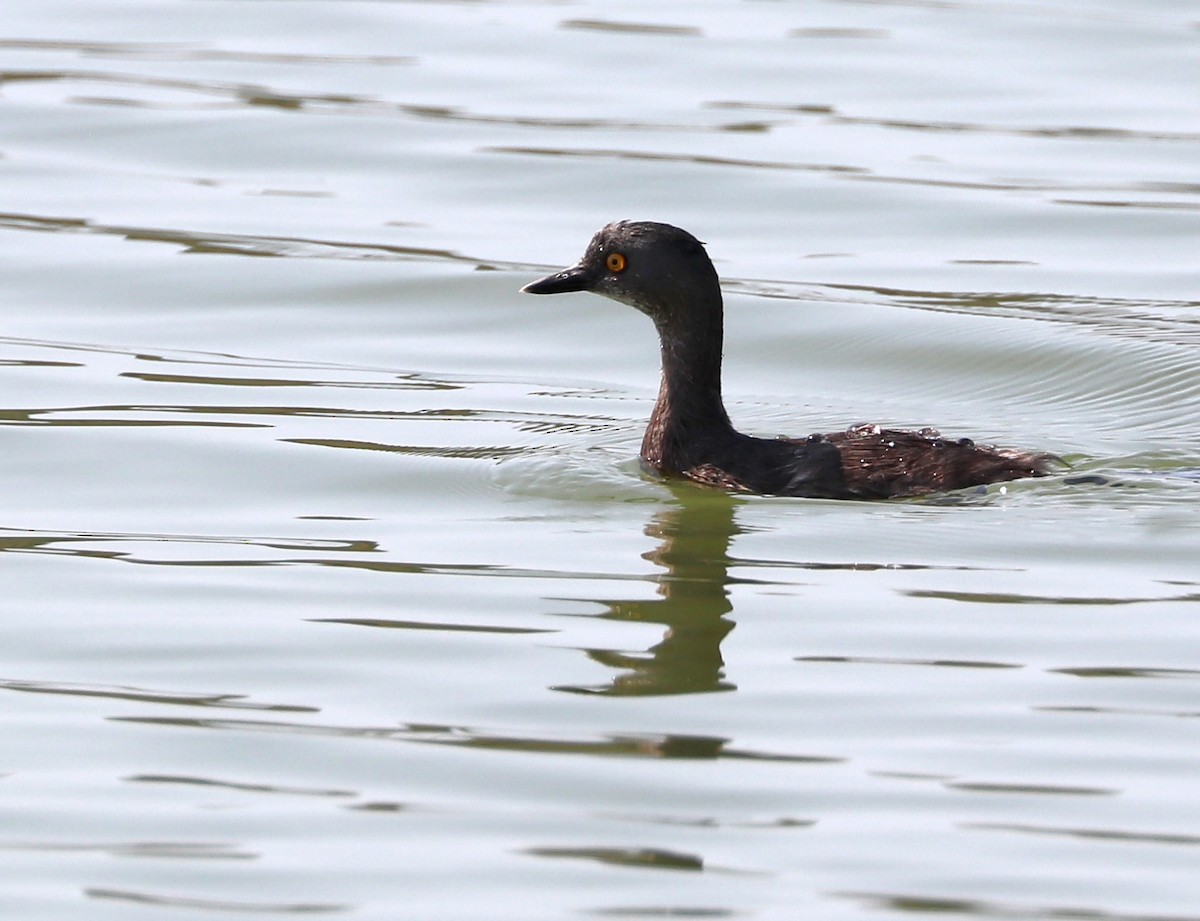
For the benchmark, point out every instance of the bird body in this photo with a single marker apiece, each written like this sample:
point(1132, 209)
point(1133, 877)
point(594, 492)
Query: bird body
point(665, 273)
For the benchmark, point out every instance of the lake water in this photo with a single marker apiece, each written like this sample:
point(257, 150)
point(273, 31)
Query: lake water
point(333, 586)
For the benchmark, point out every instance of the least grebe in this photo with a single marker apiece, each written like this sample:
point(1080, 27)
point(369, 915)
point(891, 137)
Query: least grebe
point(666, 274)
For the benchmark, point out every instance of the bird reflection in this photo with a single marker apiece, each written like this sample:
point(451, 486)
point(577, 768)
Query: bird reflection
point(693, 590)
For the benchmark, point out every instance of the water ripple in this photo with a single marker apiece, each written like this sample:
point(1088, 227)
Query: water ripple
point(1111, 835)
point(238, 786)
point(885, 660)
point(637, 28)
point(1051, 132)
point(909, 904)
point(160, 900)
point(177, 51)
point(863, 174)
point(1085, 600)
point(171, 850)
point(630, 745)
point(175, 94)
point(143, 695)
point(642, 858)
point(245, 244)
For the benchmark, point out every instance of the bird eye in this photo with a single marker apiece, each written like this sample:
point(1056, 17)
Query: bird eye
point(615, 262)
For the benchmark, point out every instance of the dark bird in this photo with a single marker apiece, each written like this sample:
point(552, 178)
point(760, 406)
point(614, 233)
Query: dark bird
point(666, 274)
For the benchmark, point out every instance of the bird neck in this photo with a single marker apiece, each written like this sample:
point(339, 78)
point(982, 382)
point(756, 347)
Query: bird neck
point(689, 412)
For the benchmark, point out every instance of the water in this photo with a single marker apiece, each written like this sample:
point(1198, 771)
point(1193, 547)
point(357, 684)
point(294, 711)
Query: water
point(333, 585)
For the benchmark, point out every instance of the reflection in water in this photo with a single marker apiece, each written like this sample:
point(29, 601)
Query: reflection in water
point(693, 601)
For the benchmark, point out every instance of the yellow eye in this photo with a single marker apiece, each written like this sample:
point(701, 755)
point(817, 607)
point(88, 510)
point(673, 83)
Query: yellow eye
point(615, 262)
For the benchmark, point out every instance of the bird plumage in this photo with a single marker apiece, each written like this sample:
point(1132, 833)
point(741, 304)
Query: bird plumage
point(665, 273)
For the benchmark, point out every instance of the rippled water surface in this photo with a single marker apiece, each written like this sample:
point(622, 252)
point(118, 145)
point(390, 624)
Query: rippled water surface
point(332, 584)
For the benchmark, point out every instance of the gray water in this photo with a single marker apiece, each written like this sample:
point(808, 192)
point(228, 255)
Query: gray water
point(332, 584)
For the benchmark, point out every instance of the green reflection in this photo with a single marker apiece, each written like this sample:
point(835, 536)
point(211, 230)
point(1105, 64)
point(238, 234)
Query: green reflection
point(693, 599)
